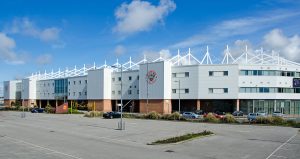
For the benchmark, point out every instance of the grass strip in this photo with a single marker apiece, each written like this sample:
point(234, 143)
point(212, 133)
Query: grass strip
point(185, 137)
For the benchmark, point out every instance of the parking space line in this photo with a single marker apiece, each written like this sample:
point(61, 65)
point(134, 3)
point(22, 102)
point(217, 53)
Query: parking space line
point(279, 156)
point(41, 147)
point(281, 146)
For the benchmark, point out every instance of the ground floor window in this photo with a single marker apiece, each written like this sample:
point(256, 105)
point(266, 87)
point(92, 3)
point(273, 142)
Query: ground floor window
point(288, 107)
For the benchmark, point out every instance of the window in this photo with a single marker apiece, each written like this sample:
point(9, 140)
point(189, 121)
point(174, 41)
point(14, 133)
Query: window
point(129, 78)
point(69, 82)
point(113, 92)
point(137, 91)
point(138, 77)
point(79, 81)
point(48, 84)
point(85, 93)
point(186, 90)
point(74, 93)
point(187, 74)
point(211, 73)
point(79, 93)
point(210, 90)
point(173, 90)
point(119, 78)
point(119, 92)
point(74, 82)
point(225, 73)
point(129, 91)
point(85, 81)
point(69, 94)
point(225, 90)
point(113, 79)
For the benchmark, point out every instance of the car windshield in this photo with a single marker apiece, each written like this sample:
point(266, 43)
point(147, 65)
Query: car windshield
point(277, 112)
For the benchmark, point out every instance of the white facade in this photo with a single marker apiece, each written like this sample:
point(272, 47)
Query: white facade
point(251, 76)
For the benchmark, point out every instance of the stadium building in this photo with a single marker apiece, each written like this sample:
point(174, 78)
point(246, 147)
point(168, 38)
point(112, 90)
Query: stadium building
point(254, 81)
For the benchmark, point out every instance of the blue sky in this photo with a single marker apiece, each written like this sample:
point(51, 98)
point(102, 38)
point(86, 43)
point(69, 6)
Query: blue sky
point(51, 34)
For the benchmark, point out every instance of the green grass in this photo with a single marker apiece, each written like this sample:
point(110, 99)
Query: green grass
point(185, 137)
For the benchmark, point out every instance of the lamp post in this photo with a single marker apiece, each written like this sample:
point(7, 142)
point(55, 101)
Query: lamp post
point(178, 94)
point(121, 127)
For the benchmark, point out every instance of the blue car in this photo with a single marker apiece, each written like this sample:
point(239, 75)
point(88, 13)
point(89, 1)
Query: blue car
point(190, 115)
point(37, 110)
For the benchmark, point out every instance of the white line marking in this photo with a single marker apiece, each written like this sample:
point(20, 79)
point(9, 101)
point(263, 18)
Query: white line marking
point(41, 147)
point(281, 146)
point(279, 156)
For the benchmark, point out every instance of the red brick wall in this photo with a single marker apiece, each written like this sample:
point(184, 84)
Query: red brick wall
point(61, 109)
point(158, 105)
point(101, 105)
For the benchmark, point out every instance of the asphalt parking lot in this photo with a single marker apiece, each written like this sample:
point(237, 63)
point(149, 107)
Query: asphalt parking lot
point(48, 136)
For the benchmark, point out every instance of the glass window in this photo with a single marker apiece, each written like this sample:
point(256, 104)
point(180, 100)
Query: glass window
point(119, 92)
point(173, 74)
point(225, 73)
point(266, 90)
point(210, 90)
point(74, 82)
point(187, 74)
point(129, 78)
point(254, 90)
point(259, 72)
point(173, 90)
point(113, 79)
point(74, 93)
point(137, 91)
point(261, 90)
point(79, 93)
point(248, 90)
point(255, 72)
point(113, 92)
point(211, 73)
point(119, 78)
point(85, 93)
point(85, 81)
point(225, 90)
point(243, 72)
point(186, 90)
point(138, 77)
point(80, 82)
point(242, 90)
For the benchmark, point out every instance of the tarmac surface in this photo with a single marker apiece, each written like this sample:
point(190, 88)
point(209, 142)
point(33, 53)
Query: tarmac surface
point(54, 136)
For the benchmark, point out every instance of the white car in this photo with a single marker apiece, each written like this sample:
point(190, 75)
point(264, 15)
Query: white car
point(277, 113)
point(190, 115)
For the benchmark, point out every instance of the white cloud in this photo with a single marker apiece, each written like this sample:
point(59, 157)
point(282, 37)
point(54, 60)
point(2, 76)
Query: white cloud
point(288, 46)
point(7, 53)
point(119, 50)
point(44, 59)
point(234, 27)
point(140, 15)
point(27, 27)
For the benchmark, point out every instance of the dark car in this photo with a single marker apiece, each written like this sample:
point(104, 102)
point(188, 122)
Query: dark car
point(111, 115)
point(237, 113)
point(37, 110)
point(199, 112)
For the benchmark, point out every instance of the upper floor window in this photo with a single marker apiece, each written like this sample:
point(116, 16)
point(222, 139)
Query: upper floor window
point(187, 74)
point(186, 90)
point(173, 90)
point(129, 92)
point(80, 82)
point(129, 78)
point(85, 81)
point(113, 79)
point(74, 82)
point(120, 78)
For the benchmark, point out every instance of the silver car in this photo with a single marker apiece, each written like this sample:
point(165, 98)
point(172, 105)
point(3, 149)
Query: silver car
point(278, 113)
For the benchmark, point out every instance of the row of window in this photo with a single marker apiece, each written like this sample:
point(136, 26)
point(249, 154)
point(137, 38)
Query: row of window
point(269, 73)
point(119, 78)
point(74, 82)
point(217, 90)
point(129, 92)
point(268, 90)
point(218, 73)
point(181, 74)
point(185, 91)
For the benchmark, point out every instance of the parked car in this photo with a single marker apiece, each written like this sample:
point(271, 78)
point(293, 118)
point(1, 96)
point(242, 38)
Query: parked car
point(37, 110)
point(190, 115)
point(111, 115)
point(278, 114)
point(199, 112)
point(252, 116)
point(220, 115)
point(237, 113)
point(262, 113)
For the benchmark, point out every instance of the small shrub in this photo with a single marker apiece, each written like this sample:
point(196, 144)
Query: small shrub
point(261, 120)
point(229, 119)
point(152, 115)
point(49, 109)
point(74, 111)
point(21, 108)
point(174, 116)
point(93, 114)
point(278, 120)
point(211, 118)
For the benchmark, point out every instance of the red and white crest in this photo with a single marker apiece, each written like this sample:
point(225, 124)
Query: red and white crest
point(151, 77)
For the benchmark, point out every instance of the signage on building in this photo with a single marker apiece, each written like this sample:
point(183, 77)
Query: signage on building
point(151, 76)
point(296, 82)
